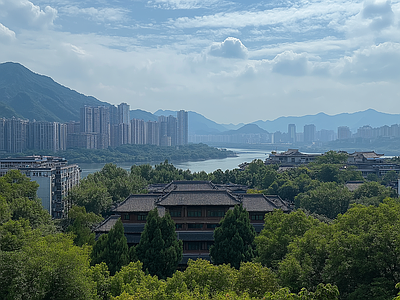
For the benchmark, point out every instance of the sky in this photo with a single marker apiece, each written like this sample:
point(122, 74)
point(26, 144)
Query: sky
point(231, 61)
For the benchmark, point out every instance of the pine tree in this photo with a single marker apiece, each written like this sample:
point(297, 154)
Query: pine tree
point(159, 249)
point(234, 239)
point(112, 248)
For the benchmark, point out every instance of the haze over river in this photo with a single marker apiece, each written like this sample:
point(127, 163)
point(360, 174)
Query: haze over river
point(243, 155)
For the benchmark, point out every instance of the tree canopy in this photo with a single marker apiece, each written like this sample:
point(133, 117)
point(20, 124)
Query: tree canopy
point(159, 249)
point(234, 239)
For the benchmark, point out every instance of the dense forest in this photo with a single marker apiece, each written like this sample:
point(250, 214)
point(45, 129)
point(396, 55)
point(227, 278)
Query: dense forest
point(135, 153)
point(336, 244)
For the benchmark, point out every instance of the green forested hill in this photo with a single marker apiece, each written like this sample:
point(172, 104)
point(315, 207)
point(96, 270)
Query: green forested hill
point(31, 96)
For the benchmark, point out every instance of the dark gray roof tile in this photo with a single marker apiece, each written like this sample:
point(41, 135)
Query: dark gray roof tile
point(137, 203)
point(195, 198)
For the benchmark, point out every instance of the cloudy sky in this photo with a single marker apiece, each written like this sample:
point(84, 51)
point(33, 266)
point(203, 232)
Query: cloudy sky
point(232, 61)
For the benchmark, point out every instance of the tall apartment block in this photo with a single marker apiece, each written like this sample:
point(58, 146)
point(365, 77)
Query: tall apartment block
point(138, 132)
point(309, 133)
point(46, 136)
point(343, 133)
point(182, 128)
point(292, 133)
point(13, 133)
point(54, 176)
point(99, 128)
point(123, 113)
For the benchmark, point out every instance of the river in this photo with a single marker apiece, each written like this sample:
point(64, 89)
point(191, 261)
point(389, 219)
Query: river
point(210, 165)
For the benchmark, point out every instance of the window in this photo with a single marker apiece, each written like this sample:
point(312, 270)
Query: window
point(198, 245)
point(212, 226)
point(257, 217)
point(193, 245)
point(175, 213)
point(194, 213)
point(178, 226)
point(215, 213)
point(195, 225)
point(127, 216)
point(142, 217)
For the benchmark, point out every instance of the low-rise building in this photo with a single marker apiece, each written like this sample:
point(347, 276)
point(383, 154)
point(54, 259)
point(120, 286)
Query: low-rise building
point(54, 176)
point(196, 207)
point(291, 157)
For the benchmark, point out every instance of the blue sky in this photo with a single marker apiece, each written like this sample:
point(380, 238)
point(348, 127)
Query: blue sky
point(232, 61)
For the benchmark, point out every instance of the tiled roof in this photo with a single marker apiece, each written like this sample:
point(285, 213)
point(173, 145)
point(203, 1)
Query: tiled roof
point(262, 203)
point(189, 186)
point(353, 185)
point(202, 197)
point(137, 203)
point(367, 154)
point(107, 224)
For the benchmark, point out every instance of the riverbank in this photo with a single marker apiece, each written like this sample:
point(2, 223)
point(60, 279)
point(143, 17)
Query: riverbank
point(210, 165)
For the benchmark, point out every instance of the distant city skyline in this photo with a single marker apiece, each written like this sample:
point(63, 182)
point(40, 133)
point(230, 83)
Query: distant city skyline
point(232, 61)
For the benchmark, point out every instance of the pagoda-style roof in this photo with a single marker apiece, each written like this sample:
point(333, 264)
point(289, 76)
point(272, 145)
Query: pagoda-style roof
point(189, 186)
point(198, 198)
point(137, 203)
point(262, 203)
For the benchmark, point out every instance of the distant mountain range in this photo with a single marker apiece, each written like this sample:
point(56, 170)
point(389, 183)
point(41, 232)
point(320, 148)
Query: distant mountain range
point(31, 96)
point(28, 95)
point(323, 121)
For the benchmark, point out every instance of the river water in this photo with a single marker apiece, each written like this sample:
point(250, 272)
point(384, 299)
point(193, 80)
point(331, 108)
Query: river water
point(243, 155)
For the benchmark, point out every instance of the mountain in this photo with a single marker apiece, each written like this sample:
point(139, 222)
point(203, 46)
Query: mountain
point(198, 124)
point(142, 115)
point(246, 129)
point(323, 121)
point(31, 96)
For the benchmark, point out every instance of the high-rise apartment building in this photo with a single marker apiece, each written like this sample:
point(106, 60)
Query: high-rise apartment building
point(14, 135)
point(138, 132)
point(94, 121)
point(123, 113)
point(292, 133)
point(54, 176)
point(343, 133)
point(153, 133)
point(46, 136)
point(309, 133)
point(172, 129)
point(182, 128)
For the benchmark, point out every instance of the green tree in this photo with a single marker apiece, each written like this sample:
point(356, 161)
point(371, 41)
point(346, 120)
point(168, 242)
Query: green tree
point(364, 255)
point(49, 267)
point(279, 231)
point(5, 210)
point(256, 280)
point(234, 239)
point(158, 249)
point(332, 157)
point(389, 177)
point(112, 248)
point(328, 199)
point(15, 185)
point(372, 193)
point(81, 224)
point(91, 195)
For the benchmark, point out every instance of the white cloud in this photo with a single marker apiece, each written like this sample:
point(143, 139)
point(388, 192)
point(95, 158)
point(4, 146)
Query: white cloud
point(290, 63)
point(375, 63)
point(24, 14)
point(98, 14)
point(6, 34)
point(183, 4)
point(230, 48)
point(317, 11)
point(379, 13)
